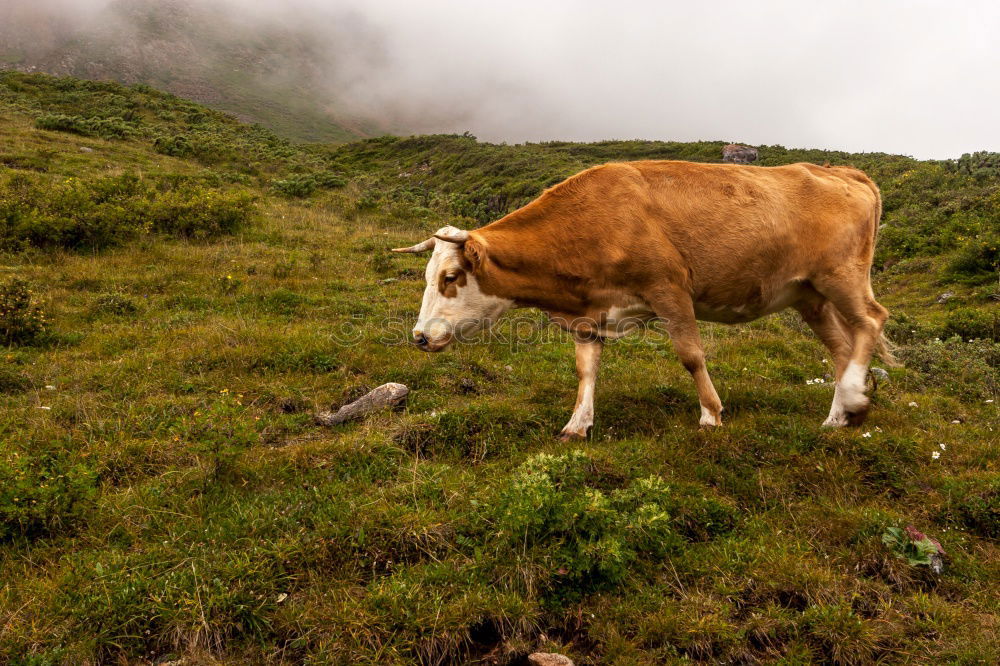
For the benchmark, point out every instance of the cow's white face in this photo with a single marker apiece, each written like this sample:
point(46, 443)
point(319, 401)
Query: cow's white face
point(454, 306)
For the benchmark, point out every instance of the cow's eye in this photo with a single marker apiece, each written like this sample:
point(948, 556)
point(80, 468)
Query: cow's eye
point(448, 279)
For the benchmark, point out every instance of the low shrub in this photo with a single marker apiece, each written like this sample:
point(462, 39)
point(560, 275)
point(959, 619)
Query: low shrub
point(105, 128)
point(970, 369)
point(977, 261)
point(107, 211)
point(21, 321)
point(42, 492)
point(303, 185)
point(590, 537)
point(175, 145)
point(970, 323)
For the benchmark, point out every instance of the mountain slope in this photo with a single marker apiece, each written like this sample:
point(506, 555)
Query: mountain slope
point(165, 493)
point(273, 74)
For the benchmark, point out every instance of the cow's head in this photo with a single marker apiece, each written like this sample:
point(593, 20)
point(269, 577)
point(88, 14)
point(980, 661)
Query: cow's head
point(454, 306)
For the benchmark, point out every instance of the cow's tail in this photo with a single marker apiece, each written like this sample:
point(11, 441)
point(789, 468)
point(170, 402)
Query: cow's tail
point(876, 214)
point(884, 347)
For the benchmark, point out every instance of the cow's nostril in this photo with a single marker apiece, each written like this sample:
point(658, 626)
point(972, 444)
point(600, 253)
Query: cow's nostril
point(419, 339)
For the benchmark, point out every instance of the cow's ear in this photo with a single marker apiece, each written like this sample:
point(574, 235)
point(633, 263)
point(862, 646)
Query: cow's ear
point(474, 253)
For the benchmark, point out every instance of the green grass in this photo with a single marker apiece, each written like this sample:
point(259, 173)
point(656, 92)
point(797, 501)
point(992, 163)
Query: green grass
point(164, 490)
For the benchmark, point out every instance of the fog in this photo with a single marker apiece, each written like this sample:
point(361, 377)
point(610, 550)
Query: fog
point(911, 77)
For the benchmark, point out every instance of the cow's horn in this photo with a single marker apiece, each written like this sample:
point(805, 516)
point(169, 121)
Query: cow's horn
point(419, 247)
point(452, 235)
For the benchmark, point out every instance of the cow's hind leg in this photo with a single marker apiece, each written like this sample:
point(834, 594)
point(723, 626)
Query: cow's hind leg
point(859, 312)
point(675, 308)
point(822, 318)
point(588, 360)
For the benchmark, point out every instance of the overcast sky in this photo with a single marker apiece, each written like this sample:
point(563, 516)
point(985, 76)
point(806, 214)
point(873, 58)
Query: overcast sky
point(915, 77)
point(911, 77)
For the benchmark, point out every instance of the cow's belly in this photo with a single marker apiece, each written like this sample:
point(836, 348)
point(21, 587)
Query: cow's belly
point(622, 319)
point(738, 312)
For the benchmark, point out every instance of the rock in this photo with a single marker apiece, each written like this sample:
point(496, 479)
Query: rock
point(945, 297)
point(385, 396)
point(549, 659)
point(879, 374)
point(738, 154)
point(85, 149)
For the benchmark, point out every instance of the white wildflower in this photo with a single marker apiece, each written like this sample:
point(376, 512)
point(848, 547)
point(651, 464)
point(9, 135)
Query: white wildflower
point(912, 404)
point(943, 446)
point(867, 434)
point(50, 387)
point(936, 455)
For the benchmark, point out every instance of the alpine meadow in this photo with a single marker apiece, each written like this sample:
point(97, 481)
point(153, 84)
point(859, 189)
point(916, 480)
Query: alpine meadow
point(181, 293)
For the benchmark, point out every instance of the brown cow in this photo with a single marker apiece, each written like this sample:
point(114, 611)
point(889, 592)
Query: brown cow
point(623, 243)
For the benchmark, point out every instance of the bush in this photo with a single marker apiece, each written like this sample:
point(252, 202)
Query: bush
point(303, 185)
point(110, 210)
point(977, 261)
point(42, 492)
point(105, 128)
point(969, 369)
point(176, 145)
point(21, 322)
point(591, 538)
point(982, 164)
point(970, 323)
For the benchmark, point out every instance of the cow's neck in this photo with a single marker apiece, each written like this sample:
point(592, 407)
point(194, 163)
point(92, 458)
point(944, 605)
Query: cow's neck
point(534, 261)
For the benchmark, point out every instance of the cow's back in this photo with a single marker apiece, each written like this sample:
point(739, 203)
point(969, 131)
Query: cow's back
point(727, 219)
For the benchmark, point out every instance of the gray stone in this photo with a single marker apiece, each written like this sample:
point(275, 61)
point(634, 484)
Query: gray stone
point(945, 297)
point(879, 374)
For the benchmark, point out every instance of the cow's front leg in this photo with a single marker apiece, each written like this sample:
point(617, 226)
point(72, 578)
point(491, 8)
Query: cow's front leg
point(588, 359)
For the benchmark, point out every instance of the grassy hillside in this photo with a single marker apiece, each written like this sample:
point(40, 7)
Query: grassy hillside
point(275, 75)
point(180, 293)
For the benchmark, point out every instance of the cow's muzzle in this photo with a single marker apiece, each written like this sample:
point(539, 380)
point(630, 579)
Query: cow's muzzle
point(425, 344)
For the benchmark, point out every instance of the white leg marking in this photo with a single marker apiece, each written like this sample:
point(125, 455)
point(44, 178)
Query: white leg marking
point(588, 359)
point(853, 382)
point(848, 396)
point(708, 418)
point(583, 415)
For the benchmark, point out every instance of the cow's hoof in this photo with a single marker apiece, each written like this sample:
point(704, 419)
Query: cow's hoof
point(710, 419)
point(571, 436)
point(835, 421)
point(857, 417)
